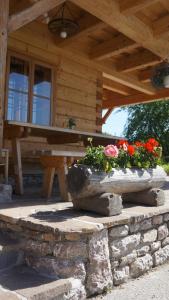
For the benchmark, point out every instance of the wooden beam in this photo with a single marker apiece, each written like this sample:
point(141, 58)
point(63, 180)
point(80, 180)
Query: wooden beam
point(4, 12)
point(145, 75)
point(107, 114)
point(87, 25)
point(128, 7)
point(116, 87)
point(137, 61)
point(133, 28)
point(30, 14)
point(112, 47)
point(161, 26)
point(29, 35)
point(165, 4)
point(112, 102)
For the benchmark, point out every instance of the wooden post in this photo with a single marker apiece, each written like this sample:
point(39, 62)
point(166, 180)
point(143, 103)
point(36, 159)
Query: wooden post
point(4, 12)
point(49, 174)
point(16, 149)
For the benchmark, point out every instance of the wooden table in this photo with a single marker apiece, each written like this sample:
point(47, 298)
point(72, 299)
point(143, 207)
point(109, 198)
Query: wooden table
point(15, 131)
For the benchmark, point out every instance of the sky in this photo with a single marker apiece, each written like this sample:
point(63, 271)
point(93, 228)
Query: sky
point(115, 123)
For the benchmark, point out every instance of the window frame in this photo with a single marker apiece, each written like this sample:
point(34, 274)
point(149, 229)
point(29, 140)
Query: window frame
point(32, 62)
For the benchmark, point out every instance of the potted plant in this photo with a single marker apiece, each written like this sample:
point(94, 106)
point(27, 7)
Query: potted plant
point(131, 171)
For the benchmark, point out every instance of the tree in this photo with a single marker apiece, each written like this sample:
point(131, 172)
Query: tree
point(149, 120)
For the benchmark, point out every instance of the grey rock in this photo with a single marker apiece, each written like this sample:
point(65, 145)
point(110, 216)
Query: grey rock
point(98, 269)
point(161, 256)
point(128, 259)
point(77, 291)
point(121, 275)
point(114, 264)
point(162, 232)
point(124, 246)
point(155, 246)
point(143, 225)
point(166, 217)
point(119, 231)
point(157, 220)
point(141, 265)
point(143, 250)
point(37, 248)
point(165, 241)
point(5, 193)
point(150, 236)
point(70, 250)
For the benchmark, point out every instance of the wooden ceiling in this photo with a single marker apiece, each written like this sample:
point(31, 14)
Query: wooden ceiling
point(123, 38)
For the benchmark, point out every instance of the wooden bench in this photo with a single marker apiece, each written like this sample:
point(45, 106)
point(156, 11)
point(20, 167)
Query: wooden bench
point(56, 161)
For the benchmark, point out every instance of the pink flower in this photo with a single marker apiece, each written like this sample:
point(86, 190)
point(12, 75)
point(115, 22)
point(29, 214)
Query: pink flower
point(111, 151)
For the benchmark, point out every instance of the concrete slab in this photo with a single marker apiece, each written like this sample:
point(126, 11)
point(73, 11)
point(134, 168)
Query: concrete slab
point(61, 218)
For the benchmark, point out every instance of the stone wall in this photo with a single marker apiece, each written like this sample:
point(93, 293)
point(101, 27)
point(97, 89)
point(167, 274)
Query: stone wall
point(100, 260)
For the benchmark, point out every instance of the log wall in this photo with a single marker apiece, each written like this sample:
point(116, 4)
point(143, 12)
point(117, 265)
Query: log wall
point(75, 84)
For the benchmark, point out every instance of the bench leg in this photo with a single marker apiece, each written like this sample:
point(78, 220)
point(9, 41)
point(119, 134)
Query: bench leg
point(16, 148)
point(48, 182)
point(61, 172)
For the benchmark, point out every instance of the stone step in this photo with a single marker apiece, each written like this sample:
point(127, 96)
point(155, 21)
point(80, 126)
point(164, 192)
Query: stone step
point(22, 282)
point(10, 253)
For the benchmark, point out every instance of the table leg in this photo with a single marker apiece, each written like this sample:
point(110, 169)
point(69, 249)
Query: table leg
point(16, 149)
point(48, 182)
point(61, 172)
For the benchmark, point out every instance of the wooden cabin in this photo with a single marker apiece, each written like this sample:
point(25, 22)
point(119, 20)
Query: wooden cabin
point(46, 80)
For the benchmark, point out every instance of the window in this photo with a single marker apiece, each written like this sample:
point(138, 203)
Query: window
point(29, 91)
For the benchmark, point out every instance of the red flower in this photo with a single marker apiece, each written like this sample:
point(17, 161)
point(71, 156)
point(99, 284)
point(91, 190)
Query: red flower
point(131, 150)
point(149, 147)
point(139, 144)
point(153, 142)
point(122, 142)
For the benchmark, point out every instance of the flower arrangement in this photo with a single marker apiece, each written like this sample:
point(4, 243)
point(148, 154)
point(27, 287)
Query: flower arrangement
point(123, 155)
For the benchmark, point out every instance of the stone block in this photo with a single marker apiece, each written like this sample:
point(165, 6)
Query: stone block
point(114, 264)
point(162, 232)
point(155, 246)
point(69, 250)
point(98, 268)
point(161, 256)
point(166, 217)
point(37, 248)
point(119, 231)
point(58, 268)
point(106, 204)
point(128, 259)
point(124, 246)
point(143, 250)
point(150, 236)
point(76, 292)
point(142, 225)
point(157, 220)
point(5, 193)
point(121, 275)
point(141, 265)
point(165, 242)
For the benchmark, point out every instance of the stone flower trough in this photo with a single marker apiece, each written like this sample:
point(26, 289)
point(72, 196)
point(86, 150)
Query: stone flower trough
point(102, 192)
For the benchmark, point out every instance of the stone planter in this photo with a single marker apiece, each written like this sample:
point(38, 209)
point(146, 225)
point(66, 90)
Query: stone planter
point(101, 192)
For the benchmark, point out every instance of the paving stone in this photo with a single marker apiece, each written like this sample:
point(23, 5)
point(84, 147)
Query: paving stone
point(150, 236)
point(119, 231)
point(124, 246)
point(162, 232)
point(141, 265)
point(121, 275)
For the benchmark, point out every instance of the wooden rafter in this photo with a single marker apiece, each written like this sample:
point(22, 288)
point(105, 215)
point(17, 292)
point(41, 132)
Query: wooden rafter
point(111, 101)
point(165, 4)
point(28, 15)
point(107, 114)
point(133, 6)
point(137, 61)
point(133, 28)
point(161, 26)
point(112, 47)
point(87, 25)
point(116, 87)
point(145, 75)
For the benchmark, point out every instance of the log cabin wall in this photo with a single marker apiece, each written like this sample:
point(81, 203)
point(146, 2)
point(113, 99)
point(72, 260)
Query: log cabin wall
point(75, 86)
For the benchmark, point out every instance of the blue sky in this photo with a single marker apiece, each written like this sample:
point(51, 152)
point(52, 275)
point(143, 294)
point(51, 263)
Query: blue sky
point(115, 123)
